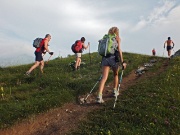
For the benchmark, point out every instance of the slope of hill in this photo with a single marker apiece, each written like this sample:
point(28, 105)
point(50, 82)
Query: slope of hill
point(136, 110)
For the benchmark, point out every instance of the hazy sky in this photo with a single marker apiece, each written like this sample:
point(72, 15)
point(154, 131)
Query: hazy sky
point(143, 24)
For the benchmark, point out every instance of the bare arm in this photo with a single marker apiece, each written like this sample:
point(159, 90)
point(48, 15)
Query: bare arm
point(46, 46)
point(120, 53)
point(119, 49)
point(165, 43)
point(84, 46)
point(173, 44)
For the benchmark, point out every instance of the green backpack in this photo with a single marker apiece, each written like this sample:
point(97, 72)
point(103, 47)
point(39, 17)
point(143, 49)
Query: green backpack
point(107, 45)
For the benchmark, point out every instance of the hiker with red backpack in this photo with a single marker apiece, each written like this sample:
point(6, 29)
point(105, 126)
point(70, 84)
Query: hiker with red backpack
point(41, 48)
point(109, 49)
point(77, 48)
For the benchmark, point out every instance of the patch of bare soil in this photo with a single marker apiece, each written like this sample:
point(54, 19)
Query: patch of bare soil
point(63, 120)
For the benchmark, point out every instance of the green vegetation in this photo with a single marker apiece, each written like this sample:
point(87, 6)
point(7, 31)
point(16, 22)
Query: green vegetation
point(149, 107)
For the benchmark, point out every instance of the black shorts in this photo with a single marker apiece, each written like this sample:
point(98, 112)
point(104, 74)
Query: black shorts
point(169, 48)
point(38, 56)
point(110, 61)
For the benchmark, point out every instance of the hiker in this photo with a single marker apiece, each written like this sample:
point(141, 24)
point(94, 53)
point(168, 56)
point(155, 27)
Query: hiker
point(79, 54)
point(168, 43)
point(153, 52)
point(38, 54)
point(110, 62)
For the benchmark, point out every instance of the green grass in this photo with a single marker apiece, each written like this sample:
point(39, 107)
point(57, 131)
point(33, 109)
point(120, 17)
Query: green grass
point(150, 107)
point(26, 96)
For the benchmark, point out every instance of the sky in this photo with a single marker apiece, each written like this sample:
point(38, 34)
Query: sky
point(143, 25)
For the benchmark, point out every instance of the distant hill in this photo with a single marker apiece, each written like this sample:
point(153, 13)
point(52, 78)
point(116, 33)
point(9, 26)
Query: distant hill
point(15, 61)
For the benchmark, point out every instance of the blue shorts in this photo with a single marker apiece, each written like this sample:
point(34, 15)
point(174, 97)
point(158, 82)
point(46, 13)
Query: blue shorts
point(109, 61)
point(169, 48)
point(38, 56)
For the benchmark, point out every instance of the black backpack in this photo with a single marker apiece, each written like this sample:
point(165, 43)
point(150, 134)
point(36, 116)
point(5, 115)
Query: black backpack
point(37, 42)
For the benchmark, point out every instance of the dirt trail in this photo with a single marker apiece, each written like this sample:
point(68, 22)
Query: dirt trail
point(63, 120)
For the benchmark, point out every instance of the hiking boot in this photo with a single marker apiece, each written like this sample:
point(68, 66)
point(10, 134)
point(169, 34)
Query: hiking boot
point(115, 93)
point(27, 73)
point(99, 99)
point(78, 67)
point(75, 69)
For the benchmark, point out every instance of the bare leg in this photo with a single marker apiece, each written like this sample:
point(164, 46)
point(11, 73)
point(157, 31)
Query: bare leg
point(169, 53)
point(42, 66)
point(115, 71)
point(105, 73)
point(34, 66)
point(77, 62)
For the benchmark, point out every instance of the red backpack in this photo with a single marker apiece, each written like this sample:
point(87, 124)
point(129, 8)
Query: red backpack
point(77, 47)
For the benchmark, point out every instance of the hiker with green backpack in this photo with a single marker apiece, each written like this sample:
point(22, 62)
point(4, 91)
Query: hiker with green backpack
point(109, 49)
point(41, 46)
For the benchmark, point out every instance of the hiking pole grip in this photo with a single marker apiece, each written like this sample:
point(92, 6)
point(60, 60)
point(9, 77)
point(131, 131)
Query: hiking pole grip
point(122, 65)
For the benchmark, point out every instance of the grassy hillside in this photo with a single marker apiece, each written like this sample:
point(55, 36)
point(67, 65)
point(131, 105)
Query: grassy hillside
point(22, 96)
point(150, 107)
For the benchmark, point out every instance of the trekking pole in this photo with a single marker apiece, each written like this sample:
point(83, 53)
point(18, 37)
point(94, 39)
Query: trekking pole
point(163, 52)
point(93, 88)
point(89, 54)
point(120, 80)
point(48, 59)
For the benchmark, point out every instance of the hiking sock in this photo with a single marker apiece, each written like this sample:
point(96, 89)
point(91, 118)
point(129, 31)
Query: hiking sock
point(100, 95)
point(99, 98)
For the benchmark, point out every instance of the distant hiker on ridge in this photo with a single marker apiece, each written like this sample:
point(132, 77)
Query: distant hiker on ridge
point(77, 48)
point(38, 54)
point(169, 47)
point(153, 52)
point(110, 60)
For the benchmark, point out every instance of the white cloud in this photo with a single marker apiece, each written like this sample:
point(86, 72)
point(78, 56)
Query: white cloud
point(157, 15)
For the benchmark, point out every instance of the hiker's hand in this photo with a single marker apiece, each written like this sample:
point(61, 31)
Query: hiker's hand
point(51, 53)
point(124, 65)
point(44, 52)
